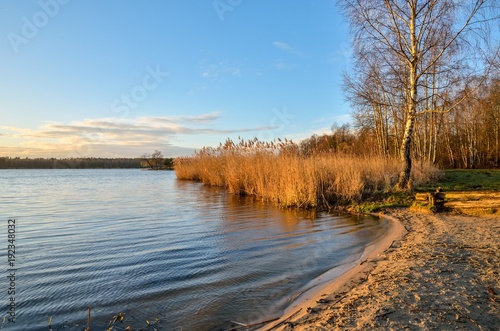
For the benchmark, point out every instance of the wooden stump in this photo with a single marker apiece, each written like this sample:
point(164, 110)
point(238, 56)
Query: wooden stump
point(432, 199)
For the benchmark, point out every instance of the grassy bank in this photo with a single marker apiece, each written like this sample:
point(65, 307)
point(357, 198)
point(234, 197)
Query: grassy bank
point(278, 172)
point(466, 180)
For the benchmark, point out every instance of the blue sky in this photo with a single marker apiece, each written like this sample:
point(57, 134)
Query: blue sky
point(114, 78)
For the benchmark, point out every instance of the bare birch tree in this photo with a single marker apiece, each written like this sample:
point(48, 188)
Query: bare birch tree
point(423, 40)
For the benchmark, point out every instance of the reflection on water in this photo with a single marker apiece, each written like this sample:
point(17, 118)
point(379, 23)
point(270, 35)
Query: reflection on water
point(151, 246)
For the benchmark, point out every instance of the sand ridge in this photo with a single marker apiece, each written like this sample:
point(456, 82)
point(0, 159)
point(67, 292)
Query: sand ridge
point(443, 274)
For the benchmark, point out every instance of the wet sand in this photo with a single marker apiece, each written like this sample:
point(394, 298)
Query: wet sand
point(442, 273)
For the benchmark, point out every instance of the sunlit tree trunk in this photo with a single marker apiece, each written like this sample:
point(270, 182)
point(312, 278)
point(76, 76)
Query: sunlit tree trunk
point(410, 41)
point(406, 157)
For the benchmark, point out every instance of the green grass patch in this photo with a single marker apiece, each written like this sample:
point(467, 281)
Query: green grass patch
point(465, 180)
point(383, 201)
point(449, 181)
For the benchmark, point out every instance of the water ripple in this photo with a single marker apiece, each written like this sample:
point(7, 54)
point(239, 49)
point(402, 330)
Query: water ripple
point(148, 245)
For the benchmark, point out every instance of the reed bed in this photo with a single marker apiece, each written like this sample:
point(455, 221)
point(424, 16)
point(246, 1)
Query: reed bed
point(276, 171)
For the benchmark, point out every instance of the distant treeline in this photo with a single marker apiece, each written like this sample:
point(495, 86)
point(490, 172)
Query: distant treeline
point(69, 163)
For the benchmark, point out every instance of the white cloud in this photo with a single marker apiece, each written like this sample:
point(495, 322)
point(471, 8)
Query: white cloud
point(298, 137)
point(111, 136)
point(219, 71)
point(287, 48)
point(93, 150)
point(337, 119)
point(282, 46)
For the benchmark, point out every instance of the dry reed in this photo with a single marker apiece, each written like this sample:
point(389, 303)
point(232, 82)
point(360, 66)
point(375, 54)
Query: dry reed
point(278, 172)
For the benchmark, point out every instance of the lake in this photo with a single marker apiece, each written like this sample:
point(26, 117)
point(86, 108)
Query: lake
point(147, 245)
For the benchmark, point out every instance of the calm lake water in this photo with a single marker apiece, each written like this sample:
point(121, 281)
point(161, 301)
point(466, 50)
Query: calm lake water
point(150, 246)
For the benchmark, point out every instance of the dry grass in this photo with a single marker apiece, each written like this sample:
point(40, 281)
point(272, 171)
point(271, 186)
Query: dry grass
point(278, 172)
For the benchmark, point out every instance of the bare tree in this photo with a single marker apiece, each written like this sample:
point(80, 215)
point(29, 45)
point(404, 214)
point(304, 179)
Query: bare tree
point(416, 43)
point(153, 161)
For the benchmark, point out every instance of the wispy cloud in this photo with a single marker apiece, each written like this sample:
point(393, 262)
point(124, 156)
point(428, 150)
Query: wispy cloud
point(204, 118)
point(343, 54)
point(99, 150)
point(280, 64)
point(93, 137)
point(298, 137)
point(218, 71)
point(287, 48)
point(318, 127)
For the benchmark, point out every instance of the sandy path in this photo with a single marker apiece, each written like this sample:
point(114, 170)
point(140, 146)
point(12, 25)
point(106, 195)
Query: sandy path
point(443, 275)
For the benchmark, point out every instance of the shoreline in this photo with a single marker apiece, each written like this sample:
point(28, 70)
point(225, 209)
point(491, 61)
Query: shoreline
point(436, 272)
point(300, 306)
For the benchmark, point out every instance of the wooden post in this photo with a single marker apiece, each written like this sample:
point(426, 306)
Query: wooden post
point(432, 199)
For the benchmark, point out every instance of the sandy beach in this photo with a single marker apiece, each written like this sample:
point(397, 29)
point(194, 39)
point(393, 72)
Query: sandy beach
point(441, 272)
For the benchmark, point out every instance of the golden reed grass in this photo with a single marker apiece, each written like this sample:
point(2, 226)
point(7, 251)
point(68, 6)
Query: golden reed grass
point(278, 172)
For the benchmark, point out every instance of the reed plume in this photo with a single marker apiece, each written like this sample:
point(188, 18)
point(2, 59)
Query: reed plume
point(277, 171)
